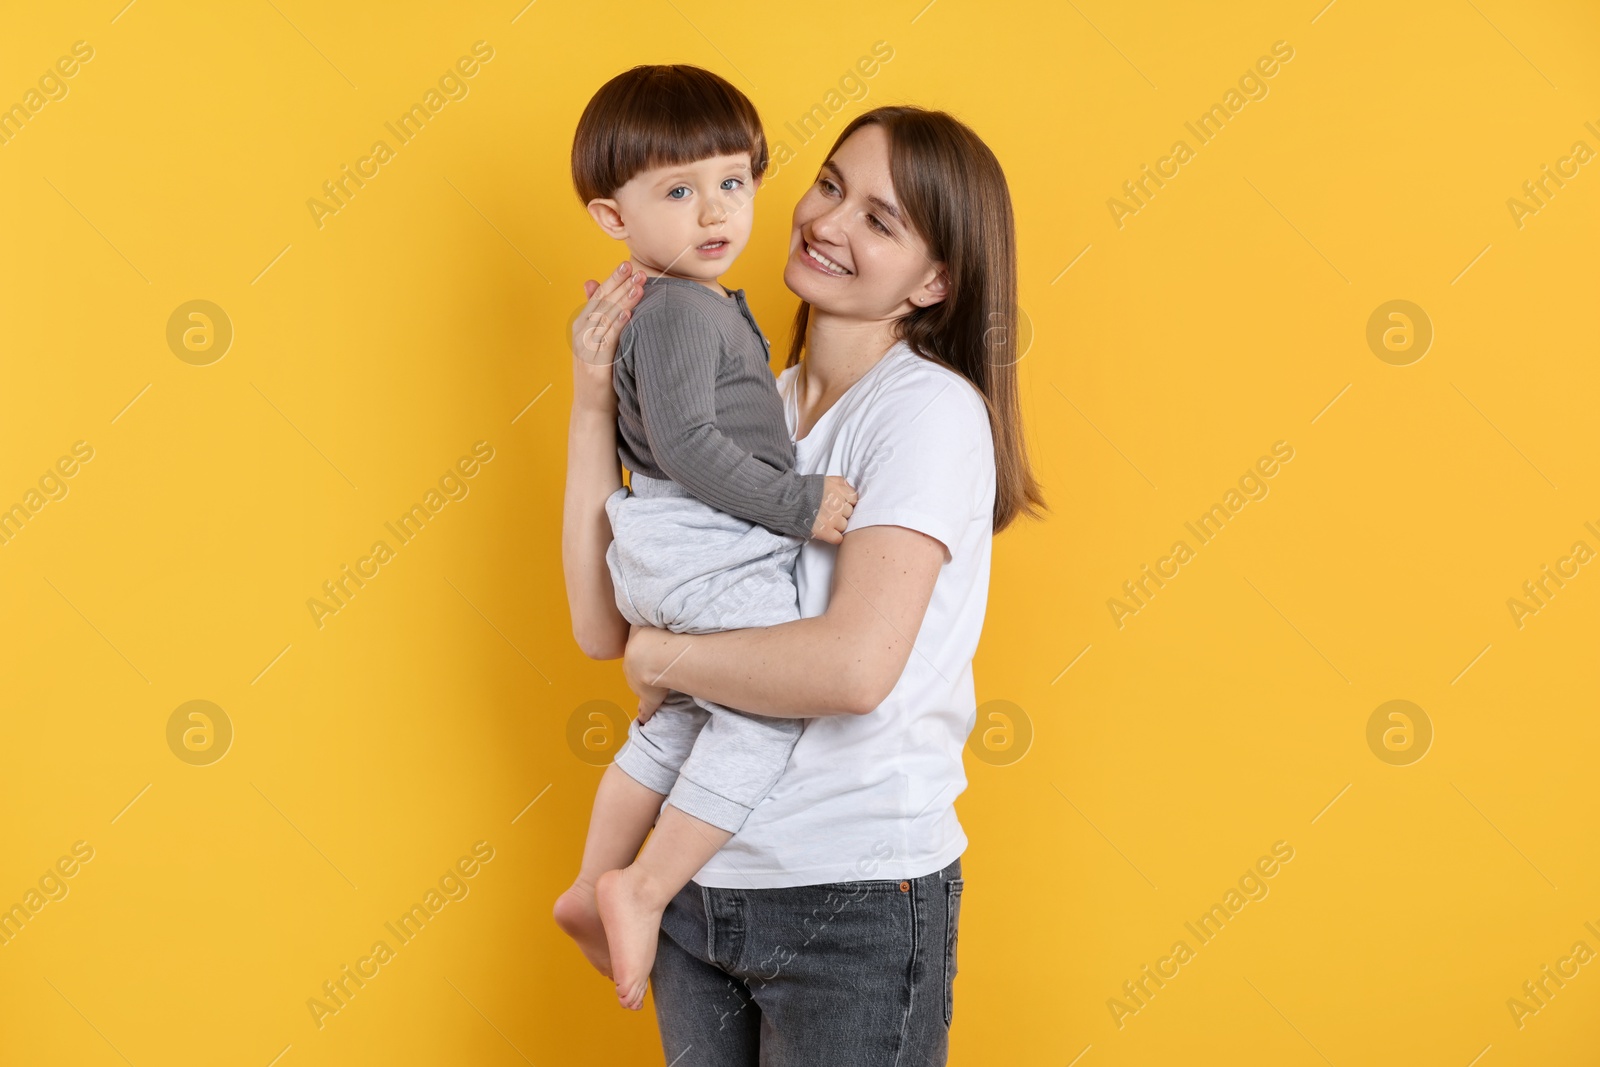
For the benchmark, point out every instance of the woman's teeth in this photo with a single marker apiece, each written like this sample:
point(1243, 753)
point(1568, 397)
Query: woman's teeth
point(833, 268)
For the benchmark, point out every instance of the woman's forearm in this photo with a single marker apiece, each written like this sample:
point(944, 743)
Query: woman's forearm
point(593, 474)
point(845, 661)
point(767, 671)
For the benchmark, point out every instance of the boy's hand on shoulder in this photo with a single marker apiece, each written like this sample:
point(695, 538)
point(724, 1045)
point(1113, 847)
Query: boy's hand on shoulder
point(596, 329)
point(838, 502)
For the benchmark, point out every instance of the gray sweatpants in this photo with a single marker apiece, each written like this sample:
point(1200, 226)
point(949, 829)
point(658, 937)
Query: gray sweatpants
point(682, 565)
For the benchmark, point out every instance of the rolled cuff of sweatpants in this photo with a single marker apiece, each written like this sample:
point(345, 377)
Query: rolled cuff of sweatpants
point(703, 804)
point(637, 764)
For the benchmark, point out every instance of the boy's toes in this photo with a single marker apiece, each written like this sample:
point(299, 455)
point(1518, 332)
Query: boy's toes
point(632, 997)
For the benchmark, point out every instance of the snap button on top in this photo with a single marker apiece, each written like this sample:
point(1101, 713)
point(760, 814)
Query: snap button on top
point(905, 887)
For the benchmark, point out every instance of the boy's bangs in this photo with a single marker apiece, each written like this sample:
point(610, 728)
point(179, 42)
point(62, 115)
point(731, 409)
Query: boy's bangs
point(679, 142)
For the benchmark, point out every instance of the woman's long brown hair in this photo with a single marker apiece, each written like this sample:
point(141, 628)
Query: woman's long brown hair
point(953, 191)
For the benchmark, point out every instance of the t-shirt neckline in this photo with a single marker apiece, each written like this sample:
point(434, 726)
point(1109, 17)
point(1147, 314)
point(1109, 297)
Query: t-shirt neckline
point(794, 400)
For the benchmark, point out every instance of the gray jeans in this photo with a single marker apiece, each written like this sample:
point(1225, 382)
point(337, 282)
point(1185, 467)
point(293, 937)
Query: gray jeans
point(682, 565)
point(852, 974)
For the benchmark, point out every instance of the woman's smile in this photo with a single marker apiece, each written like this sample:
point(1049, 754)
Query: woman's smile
point(819, 262)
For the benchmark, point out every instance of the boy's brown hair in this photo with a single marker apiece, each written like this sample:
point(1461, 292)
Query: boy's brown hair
point(659, 116)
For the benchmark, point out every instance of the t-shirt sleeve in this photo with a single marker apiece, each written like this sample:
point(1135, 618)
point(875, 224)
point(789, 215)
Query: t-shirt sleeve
point(676, 352)
point(929, 466)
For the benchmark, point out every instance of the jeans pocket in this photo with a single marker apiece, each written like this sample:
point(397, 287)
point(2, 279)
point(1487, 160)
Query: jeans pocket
point(952, 913)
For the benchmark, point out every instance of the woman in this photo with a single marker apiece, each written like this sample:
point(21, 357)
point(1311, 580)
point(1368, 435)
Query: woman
point(825, 931)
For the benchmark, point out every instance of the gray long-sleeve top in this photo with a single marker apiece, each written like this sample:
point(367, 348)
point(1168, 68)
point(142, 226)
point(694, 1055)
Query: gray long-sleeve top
point(697, 403)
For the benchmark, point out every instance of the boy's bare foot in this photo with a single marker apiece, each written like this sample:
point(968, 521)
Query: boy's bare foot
point(578, 917)
point(632, 922)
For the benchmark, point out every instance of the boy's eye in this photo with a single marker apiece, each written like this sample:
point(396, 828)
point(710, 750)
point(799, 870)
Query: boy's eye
point(736, 183)
point(673, 195)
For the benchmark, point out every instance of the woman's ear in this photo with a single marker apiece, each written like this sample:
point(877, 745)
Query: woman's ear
point(608, 218)
point(934, 290)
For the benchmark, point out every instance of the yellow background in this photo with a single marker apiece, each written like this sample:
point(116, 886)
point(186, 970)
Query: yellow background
point(429, 713)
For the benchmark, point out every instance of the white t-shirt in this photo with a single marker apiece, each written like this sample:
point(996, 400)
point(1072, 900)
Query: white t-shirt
point(873, 796)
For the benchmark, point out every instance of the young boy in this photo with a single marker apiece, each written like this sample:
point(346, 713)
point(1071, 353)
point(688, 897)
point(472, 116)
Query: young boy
point(706, 535)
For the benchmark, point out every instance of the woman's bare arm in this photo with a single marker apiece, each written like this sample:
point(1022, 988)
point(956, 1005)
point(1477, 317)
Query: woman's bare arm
point(593, 473)
point(593, 470)
point(842, 662)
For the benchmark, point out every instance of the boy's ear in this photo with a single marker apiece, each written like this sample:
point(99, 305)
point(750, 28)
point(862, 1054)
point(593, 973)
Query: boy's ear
point(607, 217)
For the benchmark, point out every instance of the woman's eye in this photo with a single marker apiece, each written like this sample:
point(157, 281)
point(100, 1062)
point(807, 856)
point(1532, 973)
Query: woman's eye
point(826, 184)
point(874, 220)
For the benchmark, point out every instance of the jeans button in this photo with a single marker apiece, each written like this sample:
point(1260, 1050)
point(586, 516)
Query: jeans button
point(905, 887)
